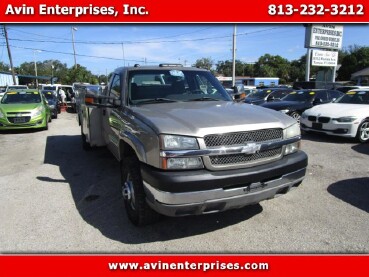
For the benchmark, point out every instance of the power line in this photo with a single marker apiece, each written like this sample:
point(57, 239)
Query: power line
point(80, 55)
point(146, 42)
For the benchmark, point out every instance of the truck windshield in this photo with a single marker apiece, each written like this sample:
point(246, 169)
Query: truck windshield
point(146, 86)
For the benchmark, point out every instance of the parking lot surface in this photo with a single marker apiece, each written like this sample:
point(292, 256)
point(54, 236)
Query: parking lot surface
point(57, 198)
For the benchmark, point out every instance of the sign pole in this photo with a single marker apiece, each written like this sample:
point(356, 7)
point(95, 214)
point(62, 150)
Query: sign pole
point(307, 68)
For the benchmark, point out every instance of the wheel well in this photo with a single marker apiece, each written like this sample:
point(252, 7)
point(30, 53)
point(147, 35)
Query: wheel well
point(126, 150)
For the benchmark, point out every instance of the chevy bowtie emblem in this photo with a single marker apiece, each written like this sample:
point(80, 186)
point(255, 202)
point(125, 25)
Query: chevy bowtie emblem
point(251, 148)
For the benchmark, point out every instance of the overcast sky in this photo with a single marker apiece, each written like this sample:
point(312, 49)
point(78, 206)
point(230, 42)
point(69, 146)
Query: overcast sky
point(102, 47)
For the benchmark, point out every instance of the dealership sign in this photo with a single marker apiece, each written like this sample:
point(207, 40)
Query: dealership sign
point(324, 58)
point(324, 36)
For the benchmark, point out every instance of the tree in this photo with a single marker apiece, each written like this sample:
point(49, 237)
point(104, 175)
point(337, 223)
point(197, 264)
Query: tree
point(225, 68)
point(206, 63)
point(355, 58)
point(4, 67)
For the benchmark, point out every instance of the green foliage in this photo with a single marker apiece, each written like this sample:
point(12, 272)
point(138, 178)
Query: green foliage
point(206, 63)
point(355, 58)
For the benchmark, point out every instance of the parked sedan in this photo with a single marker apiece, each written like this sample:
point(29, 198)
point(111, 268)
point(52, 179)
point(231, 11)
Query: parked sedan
point(261, 96)
point(348, 116)
point(296, 102)
point(24, 109)
point(53, 102)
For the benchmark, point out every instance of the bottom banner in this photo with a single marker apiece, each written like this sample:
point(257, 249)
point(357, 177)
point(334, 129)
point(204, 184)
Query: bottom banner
point(182, 265)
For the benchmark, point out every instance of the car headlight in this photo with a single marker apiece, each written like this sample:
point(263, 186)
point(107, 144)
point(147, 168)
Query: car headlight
point(52, 106)
point(37, 111)
point(303, 115)
point(346, 119)
point(284, 111)
point(1, 115)
point(292, 131)
point(171, 142)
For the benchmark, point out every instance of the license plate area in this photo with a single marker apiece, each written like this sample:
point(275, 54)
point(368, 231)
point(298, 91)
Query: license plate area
point(19, 120)
point(317, 126)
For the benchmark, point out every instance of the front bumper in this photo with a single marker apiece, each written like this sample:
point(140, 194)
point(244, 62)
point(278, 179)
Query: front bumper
point(331, 128)
point(202, 191)
point(36, 122)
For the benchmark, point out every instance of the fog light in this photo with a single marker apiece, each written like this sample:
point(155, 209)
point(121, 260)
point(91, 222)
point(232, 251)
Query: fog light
point(292, 148)
point(184, 163)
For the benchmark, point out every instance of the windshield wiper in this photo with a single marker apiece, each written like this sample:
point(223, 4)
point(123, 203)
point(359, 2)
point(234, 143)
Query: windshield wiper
point(157, 100)
point(204, 98)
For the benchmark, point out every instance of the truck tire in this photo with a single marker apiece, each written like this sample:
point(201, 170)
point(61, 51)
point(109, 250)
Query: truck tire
point(138, 211)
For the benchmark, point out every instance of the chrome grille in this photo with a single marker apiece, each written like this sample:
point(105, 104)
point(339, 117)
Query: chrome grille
point(312, 118)
point(243, 137)
point(235, 159)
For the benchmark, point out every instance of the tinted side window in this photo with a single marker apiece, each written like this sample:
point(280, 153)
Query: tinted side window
point(115, 88)
point(333, 94)
point(322, 95)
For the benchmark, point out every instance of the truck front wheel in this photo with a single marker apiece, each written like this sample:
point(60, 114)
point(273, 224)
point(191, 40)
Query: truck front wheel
point(138, 211)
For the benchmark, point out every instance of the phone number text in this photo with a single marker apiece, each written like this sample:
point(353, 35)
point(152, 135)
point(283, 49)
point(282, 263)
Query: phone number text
point(316, 9)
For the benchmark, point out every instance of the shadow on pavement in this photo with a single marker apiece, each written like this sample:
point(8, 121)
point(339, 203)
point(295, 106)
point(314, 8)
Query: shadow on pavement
point(320, 137)
point(94, 179)
point(352, 191)
point(361, 148)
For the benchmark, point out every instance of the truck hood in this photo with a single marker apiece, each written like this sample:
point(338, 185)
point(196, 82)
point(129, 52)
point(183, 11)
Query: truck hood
point(210, 117)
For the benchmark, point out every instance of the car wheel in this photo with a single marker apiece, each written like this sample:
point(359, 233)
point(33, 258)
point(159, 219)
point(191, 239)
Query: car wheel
point(85, 145)
point(363, 131)
point(296, 116)
point(138, 211)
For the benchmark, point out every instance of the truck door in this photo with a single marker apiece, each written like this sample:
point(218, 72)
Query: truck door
point(110, 122)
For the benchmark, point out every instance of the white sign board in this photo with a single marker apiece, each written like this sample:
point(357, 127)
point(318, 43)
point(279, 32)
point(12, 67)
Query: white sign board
point(324, 36)
point(324, 58)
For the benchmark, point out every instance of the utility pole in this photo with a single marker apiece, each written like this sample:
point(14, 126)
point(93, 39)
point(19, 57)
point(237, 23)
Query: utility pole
point(74, 48)
point(234, 57)
point(124, 60)
point(10, 55)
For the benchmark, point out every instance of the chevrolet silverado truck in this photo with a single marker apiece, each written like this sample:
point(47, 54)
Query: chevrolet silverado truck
point(185, 148)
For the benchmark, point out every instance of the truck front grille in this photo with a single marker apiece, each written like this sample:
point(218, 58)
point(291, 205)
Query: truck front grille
point(243, 138)
point(241, 160)
point(235, 159)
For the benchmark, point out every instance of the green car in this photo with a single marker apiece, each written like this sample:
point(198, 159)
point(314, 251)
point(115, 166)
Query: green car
point(24, 109)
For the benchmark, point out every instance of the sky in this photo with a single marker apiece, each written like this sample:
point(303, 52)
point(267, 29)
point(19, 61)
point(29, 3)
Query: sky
point(103, 47)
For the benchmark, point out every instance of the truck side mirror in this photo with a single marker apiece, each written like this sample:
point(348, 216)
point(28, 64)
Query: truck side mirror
point(235, 89)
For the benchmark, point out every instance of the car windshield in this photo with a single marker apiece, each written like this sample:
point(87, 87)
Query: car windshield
point(49, 87)
point(171, 85)
point(299, 96)
point(17, 97)
point(49, 95)
point(260, 93)
point(354, 97)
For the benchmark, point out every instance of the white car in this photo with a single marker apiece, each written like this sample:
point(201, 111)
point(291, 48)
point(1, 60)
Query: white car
point(348, 116)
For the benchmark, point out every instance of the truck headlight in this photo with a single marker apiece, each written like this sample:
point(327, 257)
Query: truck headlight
point(291, 132)
point(345, 119)
point(171, 142)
